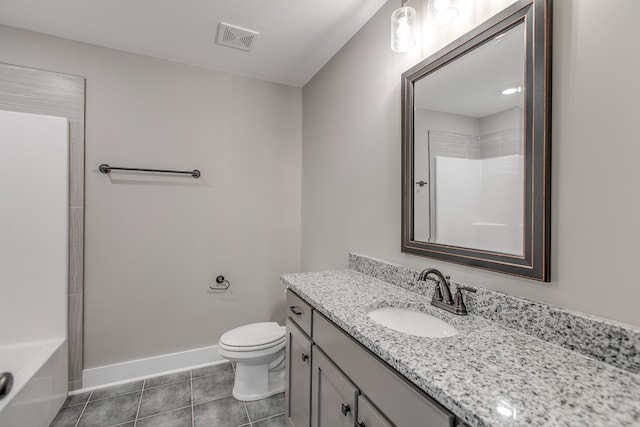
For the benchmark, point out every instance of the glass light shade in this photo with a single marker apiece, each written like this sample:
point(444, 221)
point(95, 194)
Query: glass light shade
point(442, 11)
point(403, 29)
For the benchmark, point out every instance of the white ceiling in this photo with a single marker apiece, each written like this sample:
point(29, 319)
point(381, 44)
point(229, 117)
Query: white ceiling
point(297, 37)
point(472, 85)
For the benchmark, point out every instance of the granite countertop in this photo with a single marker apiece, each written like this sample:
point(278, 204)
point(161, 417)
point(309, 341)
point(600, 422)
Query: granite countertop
point(483, 368)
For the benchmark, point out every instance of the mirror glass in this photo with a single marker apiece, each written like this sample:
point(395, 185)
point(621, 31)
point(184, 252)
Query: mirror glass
point(476, 146)
point(468, 149)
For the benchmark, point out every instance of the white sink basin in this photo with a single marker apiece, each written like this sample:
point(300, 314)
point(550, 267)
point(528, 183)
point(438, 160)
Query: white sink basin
point(412, 322)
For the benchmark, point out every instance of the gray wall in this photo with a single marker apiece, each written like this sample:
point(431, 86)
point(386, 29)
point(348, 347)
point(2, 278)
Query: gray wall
point(351, 158)
point(155, 244)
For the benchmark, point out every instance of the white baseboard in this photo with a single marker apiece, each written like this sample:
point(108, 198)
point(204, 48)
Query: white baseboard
point(152, 366)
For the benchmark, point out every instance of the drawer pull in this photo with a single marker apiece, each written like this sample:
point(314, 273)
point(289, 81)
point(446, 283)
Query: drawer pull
point(345, 409)
point(305, 357)
point(295, 310)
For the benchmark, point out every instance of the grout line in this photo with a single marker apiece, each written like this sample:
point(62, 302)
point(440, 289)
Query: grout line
point(117, 395)
point(166, 384)
point(193, 420)
point(85, 407)
point(162, 413)
point(135, 421)
point(247, 411)
point(213, 400)
point(270, 416)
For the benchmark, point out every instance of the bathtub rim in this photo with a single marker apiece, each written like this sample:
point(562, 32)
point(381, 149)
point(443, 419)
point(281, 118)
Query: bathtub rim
point(46, 349)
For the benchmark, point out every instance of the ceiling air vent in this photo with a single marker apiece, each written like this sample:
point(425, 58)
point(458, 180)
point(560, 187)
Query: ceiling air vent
point(236, 37)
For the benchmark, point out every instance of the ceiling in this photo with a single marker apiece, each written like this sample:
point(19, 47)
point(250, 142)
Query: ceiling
point(297, 37)
point(472, 85)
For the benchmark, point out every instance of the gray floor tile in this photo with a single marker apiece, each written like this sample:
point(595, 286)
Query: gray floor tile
point(76, 399)
point(118, 390)
point(112, 411)
point(177, 418)
point(265, 408)
point(212, 387)
point(67, 417)
point(167, 379)
point(165, 398)
point(271, 422)
point(211, 369)
point(227, 412)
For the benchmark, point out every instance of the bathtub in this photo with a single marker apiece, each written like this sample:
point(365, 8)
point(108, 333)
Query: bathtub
point(39, 371)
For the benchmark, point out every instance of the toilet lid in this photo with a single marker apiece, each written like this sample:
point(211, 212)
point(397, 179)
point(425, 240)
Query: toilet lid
point(253, 334)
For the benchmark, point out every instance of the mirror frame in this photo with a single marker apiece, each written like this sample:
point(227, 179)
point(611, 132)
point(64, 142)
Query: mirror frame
point(534, 263)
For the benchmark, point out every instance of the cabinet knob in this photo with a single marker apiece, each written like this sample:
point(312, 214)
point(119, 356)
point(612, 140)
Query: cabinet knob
point(295, 310)
point(345, 409)
point(305, 357)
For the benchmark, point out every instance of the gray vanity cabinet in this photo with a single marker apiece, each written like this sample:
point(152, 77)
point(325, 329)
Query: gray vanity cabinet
point(298, 390)
point(334, 381)
point(397, 401)
point(333, 395)
point(297, 395)
point(369, 416)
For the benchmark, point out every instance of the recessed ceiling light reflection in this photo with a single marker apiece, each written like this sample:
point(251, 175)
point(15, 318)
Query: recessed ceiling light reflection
point(512, 90)
point(506, 409)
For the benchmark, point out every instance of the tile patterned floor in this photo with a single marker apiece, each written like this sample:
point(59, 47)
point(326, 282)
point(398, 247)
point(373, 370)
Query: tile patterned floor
point(196, 398)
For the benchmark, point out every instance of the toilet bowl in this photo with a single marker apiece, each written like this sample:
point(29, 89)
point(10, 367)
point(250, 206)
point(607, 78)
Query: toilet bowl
point(259, 351)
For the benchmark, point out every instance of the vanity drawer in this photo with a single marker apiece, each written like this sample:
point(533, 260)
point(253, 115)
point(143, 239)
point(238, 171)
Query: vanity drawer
point(299, 311)
point(369, 416)
point(401, 402)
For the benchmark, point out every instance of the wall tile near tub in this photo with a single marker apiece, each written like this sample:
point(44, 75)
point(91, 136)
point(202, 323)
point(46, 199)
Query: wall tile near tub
point(75, 385)
point(41, 92)
point(76, 249)
point(614, 343)
point(75, 337)
point(76, 163)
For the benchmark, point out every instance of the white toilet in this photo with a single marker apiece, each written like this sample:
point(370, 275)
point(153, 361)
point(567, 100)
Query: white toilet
point(259, 351)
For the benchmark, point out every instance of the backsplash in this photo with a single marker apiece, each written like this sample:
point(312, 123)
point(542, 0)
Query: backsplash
point(611, 342)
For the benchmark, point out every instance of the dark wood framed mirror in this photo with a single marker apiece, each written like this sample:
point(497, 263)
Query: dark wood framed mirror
point(476, 146)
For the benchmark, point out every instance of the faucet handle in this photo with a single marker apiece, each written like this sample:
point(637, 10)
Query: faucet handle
point(437, 294)
point(460, 307)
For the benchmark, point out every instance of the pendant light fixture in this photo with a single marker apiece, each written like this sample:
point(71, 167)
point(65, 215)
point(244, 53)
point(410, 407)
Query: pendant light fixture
point(403, 28)
point(442, 12)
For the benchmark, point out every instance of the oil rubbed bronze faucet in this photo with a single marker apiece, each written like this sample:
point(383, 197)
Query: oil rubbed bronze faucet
point(442, 293)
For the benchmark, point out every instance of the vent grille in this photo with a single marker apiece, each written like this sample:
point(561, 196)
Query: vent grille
point(236, 37)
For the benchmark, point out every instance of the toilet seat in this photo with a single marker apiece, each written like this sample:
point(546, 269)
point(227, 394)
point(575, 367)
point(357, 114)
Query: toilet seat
point(258, 350)
point(253, 337)
point(244, 349)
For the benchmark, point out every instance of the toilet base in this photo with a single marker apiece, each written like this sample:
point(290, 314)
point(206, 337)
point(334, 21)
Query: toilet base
point(255, 382)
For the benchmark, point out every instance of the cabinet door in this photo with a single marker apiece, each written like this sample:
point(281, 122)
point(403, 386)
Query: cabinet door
point(368, 415)
point(297, 396)
point(333, 396)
